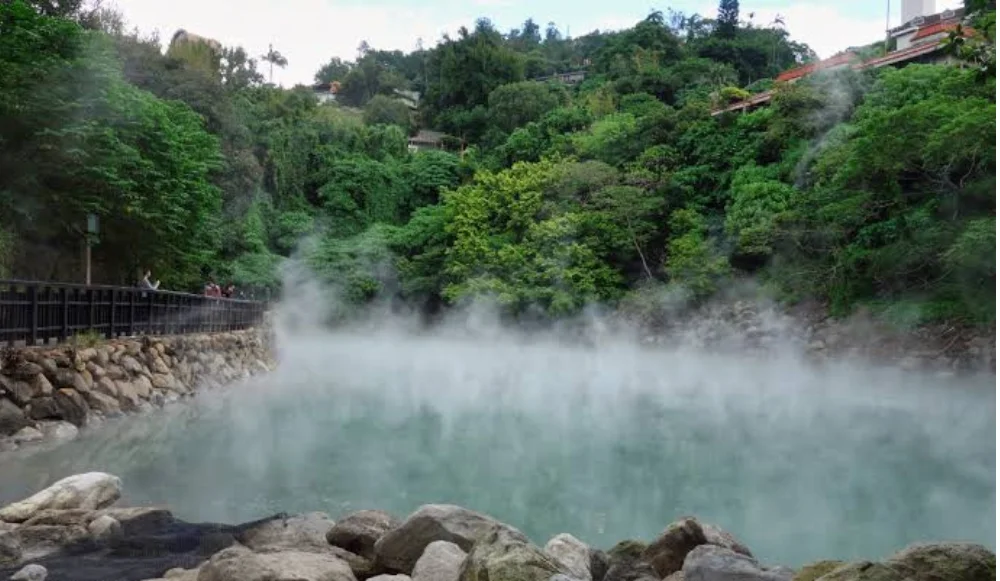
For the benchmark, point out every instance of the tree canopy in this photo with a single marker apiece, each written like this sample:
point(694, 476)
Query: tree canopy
point(872, 188)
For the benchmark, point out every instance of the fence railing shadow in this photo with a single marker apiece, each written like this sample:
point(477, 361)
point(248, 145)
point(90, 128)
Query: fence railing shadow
point(39, 312)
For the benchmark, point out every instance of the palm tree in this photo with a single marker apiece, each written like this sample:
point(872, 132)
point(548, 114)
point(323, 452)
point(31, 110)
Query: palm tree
point(274, 58)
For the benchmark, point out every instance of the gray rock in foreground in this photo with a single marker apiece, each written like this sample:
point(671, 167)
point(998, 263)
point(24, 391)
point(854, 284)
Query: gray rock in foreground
point(358, 532)
point(400, 548)
point(715, 563)
point(89, 491)
point(441, 561)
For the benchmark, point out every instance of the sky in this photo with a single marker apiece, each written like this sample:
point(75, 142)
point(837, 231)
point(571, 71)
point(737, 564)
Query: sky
point(309, 32)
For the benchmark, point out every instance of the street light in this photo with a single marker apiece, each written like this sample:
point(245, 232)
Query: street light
point(90, 238)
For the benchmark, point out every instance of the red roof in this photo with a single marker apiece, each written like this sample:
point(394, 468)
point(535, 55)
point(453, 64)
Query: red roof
point(940, 27)
point(840, 59)
point(933, 29)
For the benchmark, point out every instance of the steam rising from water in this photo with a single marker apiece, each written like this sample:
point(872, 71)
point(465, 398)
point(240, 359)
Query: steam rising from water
point(607, 441)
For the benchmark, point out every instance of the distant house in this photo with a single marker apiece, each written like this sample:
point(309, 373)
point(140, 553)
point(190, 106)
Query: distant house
point(326, 92)
point(918, 40)
point(426, 139)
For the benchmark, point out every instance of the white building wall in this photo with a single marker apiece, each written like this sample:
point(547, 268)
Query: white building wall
point(913, 8)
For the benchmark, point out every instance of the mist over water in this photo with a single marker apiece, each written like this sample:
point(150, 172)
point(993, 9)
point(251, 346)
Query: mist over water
point(606, 440)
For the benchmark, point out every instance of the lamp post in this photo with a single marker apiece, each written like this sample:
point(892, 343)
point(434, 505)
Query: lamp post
point(90, 238)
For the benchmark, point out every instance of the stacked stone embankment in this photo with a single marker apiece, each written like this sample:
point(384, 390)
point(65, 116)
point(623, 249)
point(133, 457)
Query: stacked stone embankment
point(73, 531)
point(49, 393)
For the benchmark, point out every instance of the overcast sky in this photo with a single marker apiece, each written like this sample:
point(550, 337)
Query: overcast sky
point(309, 32)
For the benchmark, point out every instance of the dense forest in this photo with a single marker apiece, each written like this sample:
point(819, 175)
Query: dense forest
point(872, 188)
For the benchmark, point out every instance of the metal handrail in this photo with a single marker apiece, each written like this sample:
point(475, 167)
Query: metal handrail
point(35, 311)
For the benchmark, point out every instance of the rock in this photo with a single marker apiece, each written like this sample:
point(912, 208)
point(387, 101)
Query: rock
point(91, 490)
point(72, 407)
point(32, 572)
point(675, 576)
point(178, 574)
point(96, 371)
point(24, 370)
point(131, 365)
point(572, 554)
point(142, 387)
point(715, 563)
point(12, 419)
point(944, 562)
point(18, 390)
point(27, 434)
point(55, 517)
point(816, 570)
point(10, 548)
point(239, 564)
point(390, 578)
point(504, 554)
point(625, 563)
point(37, 541)
point(116, 372)
point(304, 532)
point(441, 561)
point(59, 431)
point(68, 378)
point(42, 408)
point(128, 397)
point(105, 529)
point(41, 386)
point(102, 403)
point(561, 577)
point(358, 532)
point(400, 548)
point(360, 566)
point(598, 564)
point(107, 386)
point(138, 517)
point(666, 554)
point(864, 571)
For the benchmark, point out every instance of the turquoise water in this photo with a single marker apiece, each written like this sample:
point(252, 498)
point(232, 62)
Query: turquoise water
point(607, 443)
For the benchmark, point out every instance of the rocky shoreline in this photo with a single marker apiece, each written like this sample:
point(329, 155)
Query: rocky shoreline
point(72, 531)
point(47, 394)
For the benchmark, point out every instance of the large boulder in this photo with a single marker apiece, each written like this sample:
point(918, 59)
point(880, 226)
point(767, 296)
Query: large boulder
point(303, 532)
point(72, 407)
point(814, 571)
point(10, 548)
point(12, 418)
point(238, 563)
point(359, 531)
point(715, 563)
point(32, 572)
point(924, 562)
point(38, 541)
point(945, 562)
point(399, 549)
point(572, 553)
point(91, 491)
point(666, 554)
point(625, 563)
point(504, 554)
point(441, 561)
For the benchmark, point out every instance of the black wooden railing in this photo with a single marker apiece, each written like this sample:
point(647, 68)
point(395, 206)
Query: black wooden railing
point(34, 312)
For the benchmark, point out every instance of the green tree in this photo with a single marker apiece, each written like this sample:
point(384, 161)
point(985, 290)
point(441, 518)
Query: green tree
point(728, 20)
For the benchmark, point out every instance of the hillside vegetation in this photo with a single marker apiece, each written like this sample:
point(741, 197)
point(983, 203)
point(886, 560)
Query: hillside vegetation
point(872, 188)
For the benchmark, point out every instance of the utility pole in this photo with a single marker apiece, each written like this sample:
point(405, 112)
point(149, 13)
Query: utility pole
point(888, 7)
point(270, 59)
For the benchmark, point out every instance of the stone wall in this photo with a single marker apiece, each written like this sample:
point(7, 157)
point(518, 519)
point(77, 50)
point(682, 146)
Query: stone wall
point(50, 392)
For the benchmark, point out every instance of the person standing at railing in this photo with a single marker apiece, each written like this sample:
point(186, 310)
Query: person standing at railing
point(146, 284)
